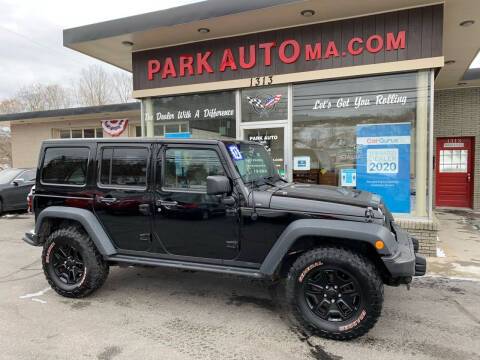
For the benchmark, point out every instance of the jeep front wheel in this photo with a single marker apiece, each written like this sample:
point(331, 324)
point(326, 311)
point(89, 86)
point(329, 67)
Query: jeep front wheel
point(335, 293)
point(71, 263)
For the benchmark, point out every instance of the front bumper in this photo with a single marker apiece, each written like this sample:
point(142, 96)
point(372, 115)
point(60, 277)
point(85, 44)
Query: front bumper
point(31, 238)
point(406, 262)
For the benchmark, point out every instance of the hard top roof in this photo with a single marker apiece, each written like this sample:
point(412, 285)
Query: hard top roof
point(132, 140)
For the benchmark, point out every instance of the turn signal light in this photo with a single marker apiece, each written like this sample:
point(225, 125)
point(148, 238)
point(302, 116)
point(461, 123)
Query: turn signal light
point(379, 244)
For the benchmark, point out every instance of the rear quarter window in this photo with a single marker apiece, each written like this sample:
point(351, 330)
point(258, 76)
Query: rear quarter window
point(65, 166)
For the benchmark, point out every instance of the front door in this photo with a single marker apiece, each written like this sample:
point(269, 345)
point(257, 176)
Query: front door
point(454, 172)
point(273, 138)
point(187, 221)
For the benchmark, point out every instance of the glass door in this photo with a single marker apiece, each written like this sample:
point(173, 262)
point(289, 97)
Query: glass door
point(274, 140)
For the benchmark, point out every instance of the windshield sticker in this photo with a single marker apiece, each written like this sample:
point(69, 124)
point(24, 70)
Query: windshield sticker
point(236, 154)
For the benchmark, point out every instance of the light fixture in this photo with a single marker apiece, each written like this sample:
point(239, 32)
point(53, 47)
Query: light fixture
point(127, 43)
point(467, 23)
point(450, 62)
point(307, 13)
point(461, 83)
point(203, 30)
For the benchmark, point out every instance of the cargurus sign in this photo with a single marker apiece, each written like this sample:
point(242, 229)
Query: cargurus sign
point(383, 163)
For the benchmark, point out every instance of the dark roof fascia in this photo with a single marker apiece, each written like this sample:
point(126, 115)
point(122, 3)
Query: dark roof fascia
point(200, 11)
point(72, 111)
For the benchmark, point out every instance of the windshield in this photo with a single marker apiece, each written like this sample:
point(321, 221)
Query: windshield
point(253, 163)
point(7, 176)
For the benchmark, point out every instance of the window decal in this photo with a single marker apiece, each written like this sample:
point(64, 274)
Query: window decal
point(236, 154)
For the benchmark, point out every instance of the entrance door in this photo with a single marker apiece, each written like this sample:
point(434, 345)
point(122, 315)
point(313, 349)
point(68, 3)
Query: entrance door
point(454, 172)
point(274, 139)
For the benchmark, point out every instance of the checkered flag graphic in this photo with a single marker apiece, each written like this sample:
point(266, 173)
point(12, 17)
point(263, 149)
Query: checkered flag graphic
point(255, 102)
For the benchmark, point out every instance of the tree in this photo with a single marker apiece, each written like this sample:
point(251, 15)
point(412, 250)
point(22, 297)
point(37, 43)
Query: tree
point(94, 87)
point(122, 86)
point(38, 97)
point(10, 106)
point(57, 97)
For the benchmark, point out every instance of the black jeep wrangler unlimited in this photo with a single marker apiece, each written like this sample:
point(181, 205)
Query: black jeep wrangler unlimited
point(217, 206)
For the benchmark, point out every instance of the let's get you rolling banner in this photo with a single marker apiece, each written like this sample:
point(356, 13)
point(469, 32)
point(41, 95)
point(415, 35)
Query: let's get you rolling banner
point(383, 163)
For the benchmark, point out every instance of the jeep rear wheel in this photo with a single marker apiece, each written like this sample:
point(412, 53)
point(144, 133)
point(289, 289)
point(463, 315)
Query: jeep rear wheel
point(71, 263)
point(335, 293)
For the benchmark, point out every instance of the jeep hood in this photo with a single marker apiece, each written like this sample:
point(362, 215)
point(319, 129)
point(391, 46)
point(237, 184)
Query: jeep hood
point(325, 199)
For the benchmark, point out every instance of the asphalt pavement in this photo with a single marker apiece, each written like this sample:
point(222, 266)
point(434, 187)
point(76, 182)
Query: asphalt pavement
point(156, 313)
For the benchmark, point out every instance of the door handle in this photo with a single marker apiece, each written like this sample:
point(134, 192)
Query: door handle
point(166, 203)
point(107, 200)
point(468, 177)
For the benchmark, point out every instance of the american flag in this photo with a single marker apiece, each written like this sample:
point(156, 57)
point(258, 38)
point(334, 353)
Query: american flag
point(272, 100)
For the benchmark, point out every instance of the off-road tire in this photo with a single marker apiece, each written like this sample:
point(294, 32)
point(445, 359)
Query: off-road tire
point(95, 268)
point(1, 207)
point(367, 277)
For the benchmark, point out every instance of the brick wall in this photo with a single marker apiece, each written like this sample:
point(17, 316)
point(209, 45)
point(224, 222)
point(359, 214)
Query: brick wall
point(425, 230)
point(457, 113)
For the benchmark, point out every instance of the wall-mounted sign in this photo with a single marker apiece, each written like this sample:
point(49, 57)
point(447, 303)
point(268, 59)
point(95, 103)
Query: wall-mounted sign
point(383, 163)
point(357, 41)
point(287, 51)
point(460, 145)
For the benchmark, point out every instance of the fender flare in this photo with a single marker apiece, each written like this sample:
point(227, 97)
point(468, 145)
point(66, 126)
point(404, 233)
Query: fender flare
point(85, 217)
point(339, 229)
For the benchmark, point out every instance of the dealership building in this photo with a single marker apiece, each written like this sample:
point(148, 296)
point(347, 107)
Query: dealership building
point(374, 95)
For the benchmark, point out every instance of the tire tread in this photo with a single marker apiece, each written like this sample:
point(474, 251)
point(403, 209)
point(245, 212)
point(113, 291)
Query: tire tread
point(363, 265)
point(95, 277)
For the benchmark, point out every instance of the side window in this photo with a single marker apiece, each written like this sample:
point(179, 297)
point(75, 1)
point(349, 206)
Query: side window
point(66, 166)
point(189, 168)
point(124, 166)
point(28, 175)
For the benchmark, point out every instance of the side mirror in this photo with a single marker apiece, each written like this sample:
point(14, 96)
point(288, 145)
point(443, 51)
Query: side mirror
point(18, 182)
point(218, 185)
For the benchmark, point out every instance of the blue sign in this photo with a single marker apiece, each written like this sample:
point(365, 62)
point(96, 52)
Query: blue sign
point(180, 135)
point(383, 163)
point(236, 154)
point(349, 177)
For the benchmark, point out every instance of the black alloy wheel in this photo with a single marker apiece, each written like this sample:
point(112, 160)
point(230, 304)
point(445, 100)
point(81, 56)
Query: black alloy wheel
point(72, 264)
point(68, 264)
point(332, 294)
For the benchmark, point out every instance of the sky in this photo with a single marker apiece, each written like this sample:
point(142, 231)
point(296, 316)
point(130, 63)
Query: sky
point(31, 37)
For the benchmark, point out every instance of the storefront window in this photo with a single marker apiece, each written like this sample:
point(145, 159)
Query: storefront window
point(366, 133)
point(209, 116)
point(265, 103)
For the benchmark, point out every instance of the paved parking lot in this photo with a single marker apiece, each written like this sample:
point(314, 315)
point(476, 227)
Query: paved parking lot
point(153, 313)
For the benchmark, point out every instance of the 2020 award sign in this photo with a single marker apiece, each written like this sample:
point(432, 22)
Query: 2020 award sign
point(383, 163)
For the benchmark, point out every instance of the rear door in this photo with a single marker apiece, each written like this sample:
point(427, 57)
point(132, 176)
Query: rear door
point(123, 200)
point(454, 172)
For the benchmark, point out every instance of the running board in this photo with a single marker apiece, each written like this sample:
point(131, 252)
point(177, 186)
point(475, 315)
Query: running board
point(186, 265)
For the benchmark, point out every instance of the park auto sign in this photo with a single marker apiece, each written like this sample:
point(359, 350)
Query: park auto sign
point(263, 54)
point(262, 58)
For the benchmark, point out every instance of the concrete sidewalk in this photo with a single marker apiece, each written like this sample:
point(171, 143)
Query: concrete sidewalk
point(458, 245)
